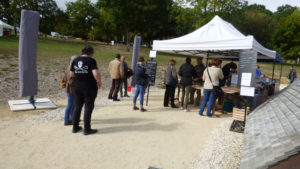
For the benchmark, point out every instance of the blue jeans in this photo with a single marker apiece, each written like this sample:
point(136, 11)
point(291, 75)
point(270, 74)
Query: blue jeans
point(69, 108)
point(292, 80)
point(139, 90)
point(210, 98)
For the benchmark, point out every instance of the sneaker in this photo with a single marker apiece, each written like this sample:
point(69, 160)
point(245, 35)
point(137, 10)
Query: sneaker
point(181, 108)
point(76, 129)
point(135, 108)
point(186, 110)
point(126, 95)
point(68, 123)
point(143, 110)
point(116, 100)
point(90, 131)
point(174, 106)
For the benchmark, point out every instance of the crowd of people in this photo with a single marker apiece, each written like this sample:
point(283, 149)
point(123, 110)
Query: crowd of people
point(82, 81)
point(193, 75)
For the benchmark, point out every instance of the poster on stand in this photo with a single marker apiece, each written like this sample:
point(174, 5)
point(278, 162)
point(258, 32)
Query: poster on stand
point(247, 91)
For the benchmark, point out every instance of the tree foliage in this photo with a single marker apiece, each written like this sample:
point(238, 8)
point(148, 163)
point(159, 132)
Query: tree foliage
point(287, 36)
point(5, 10)
point(47, 8)
point(160, 19)
point(82, 14)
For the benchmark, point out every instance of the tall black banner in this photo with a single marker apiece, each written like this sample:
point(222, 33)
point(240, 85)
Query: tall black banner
point(29, 28)
point(135, 55)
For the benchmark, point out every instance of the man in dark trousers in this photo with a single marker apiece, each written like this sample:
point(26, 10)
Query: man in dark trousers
point(170, 81)
point(87, 82)
point(187, 73)
point(197, 81)
point(116, 72)
point(124, 79)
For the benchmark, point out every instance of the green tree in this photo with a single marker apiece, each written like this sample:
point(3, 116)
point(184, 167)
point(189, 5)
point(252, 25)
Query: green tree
point(82, 14)
point(205, 10)
point(183, 19)
point(62, 23)
point(148, 18)
point(105, 28)
point(283, 11)
point(5, 12)
point(253, 20)
point(287, 36)
point(47, 8)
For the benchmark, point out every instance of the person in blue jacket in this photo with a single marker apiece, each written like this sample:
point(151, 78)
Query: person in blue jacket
point(141, 79)
point(258, 72)
point(292, 75)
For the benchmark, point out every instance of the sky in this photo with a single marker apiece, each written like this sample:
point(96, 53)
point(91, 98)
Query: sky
point(269, 4)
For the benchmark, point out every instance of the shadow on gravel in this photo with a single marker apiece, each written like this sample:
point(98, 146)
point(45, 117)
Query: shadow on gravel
point(121, 120)
point(141, 128)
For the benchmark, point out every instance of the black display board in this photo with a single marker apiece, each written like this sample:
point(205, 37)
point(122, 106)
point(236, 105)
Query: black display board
point(151, 67)
point(247, 64)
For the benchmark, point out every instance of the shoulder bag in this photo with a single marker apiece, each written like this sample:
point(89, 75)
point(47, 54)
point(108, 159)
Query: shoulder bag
point(216, 89)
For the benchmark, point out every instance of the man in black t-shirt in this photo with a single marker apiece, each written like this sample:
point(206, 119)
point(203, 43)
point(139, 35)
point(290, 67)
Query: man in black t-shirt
point(87, 82)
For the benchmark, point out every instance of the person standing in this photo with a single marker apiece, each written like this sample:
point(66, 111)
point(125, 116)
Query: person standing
point(68, 83)
point(211, 77)
point(258, 72)
point(141, 81)
point(124, 79)
point(87, 82)
point(170, 81)
point(116, 71)
point(292, 75)
point(227, 72)
point(197, 81)
point(187, 73)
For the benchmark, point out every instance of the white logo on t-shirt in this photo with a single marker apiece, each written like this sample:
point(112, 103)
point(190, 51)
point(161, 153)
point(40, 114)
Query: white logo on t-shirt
point(81, 68)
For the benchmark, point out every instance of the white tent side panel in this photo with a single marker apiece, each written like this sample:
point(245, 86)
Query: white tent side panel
point(5, 25)
point(259, 48)
point(233, 44)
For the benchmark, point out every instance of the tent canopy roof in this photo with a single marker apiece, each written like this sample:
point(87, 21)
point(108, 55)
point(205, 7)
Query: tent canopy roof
point(217, 37)
point(5, 25)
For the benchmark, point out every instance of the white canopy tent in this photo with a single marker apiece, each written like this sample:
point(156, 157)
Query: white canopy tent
point(217, 37)
point(4, 25)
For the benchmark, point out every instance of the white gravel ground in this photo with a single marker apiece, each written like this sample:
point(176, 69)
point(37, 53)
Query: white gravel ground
point(223, 149)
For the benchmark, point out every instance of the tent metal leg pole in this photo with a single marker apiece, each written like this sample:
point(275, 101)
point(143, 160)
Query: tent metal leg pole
point(280, 72)
point(207, 55)
point(273, 70)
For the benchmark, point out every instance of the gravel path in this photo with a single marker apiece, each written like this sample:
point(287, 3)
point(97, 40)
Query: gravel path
point(223, 149)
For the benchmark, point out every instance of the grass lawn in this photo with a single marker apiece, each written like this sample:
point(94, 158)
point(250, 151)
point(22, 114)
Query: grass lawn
point(54, 51)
